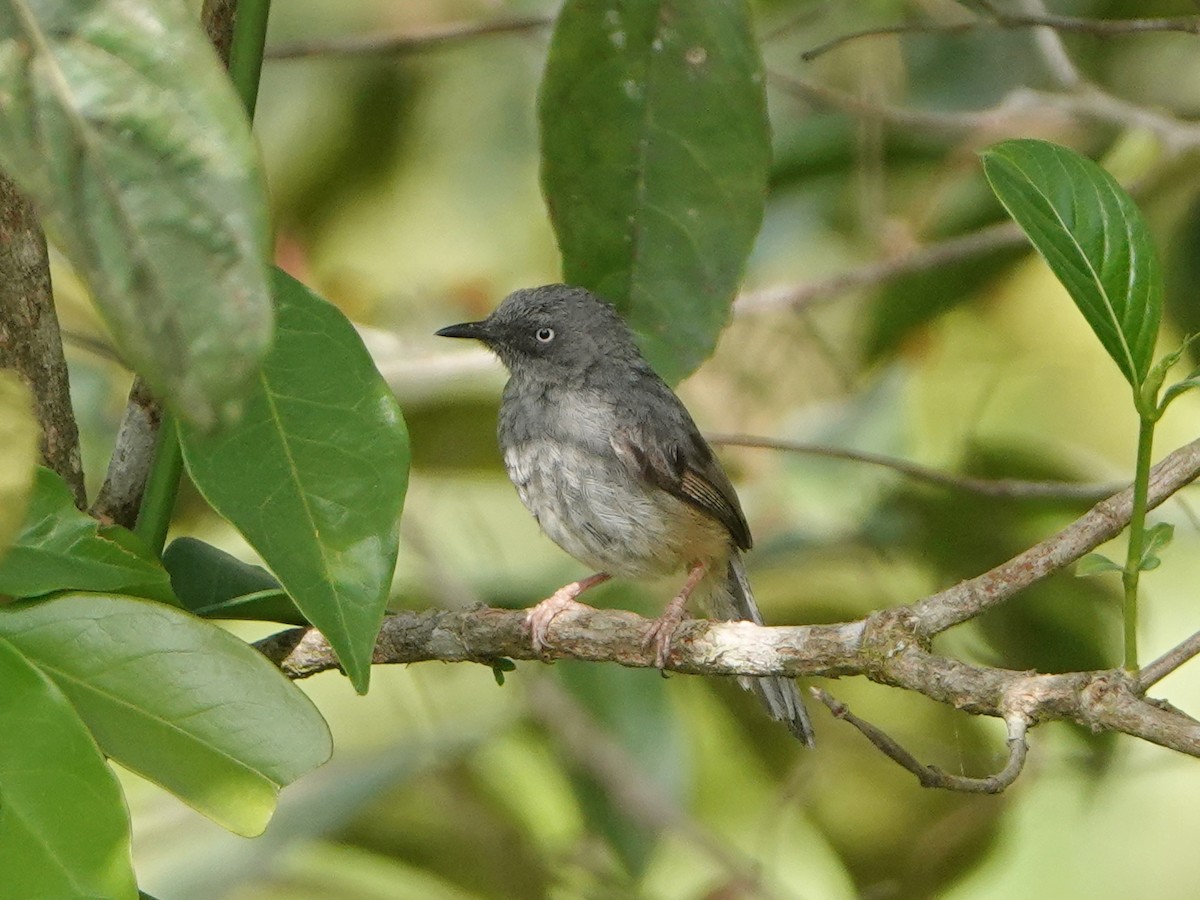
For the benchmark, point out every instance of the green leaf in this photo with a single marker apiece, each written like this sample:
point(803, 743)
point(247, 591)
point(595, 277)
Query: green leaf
point(1096, 564)
point(18, 456)
point(64, 829)
point(656, 191)
point(1094, 239)
point(1179, 387)
point(176, 699)
point(314, 474)
point(1158, 374)
point(499, 667)
point(60, 548)
point(1157, 537)
point(117, 118)
point(214, 585)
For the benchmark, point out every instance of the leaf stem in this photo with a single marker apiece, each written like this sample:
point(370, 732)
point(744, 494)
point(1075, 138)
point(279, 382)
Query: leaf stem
point(246, 51)
point(162, 485)
point(1137, 539)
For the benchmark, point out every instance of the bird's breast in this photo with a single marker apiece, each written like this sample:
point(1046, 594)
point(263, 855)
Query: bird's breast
point(589, 503)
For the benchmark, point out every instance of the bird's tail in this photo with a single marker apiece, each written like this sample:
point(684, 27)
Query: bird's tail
point(778, 694)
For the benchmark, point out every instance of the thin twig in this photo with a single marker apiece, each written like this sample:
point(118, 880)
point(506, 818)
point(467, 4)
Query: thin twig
point(1090, 102)
point(1095, 27)
point(825, 97)
point(30, 340)
point(1050, 44)
point(1167, 663)
point(942, 29)
point(1103, 522)
point(406, 42)
point(931, 776)
point(1084, 101)
point(1001, 488)
point(796, 297)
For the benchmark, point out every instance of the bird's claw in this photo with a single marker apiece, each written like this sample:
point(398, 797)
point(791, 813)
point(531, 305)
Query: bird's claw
point(662, 630)
point(538, 618)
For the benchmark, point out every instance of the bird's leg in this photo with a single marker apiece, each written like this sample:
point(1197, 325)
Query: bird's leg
point(663, 628)
point(539, 617)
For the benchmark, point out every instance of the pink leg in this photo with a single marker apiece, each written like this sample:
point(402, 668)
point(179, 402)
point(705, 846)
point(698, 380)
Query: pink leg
point(663, 628)
point(539, 617)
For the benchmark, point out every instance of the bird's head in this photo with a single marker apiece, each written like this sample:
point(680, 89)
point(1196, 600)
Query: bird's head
point(552, 332)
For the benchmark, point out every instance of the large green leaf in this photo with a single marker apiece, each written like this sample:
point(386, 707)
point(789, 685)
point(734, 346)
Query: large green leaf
point(215, 585)
point(116, 117)
point(314, 474)
point(18, 455)
point(655, 156)
point(64, 830)
point(60, 548)
point(176, 699)
point(1092, 236)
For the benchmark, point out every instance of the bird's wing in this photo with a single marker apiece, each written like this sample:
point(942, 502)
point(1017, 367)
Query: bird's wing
point(683, 465)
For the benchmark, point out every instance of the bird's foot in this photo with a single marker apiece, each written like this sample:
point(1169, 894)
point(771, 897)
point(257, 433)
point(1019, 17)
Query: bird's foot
point(538, 618)
point(662, 630)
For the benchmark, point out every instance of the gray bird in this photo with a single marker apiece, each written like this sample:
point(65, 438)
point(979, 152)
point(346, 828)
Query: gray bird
point(615, 471)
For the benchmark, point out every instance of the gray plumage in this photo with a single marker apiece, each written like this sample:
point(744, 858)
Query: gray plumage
point(611, 464)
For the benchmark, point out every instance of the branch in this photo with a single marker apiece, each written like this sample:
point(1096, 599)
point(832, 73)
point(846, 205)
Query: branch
point(485, 635)
point(30, 341)
point(1103, 522)
point(1081, 101)
point(1050, 45)
point(802, 296)
point(825, 97)
point(1168, 663)
point(1085, 101)
point(889, 647)
point(406, 42)
point(1000, 488)
point(1103, 28)
point(120, 497)
point(931, 776)
point(886, 647)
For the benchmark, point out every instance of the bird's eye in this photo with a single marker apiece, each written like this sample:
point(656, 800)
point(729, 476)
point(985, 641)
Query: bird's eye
point(544, 335)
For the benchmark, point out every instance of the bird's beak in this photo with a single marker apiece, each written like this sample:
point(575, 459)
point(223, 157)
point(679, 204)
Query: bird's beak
point(476, 330)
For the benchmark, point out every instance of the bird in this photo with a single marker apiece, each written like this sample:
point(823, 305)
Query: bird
point(613, 468)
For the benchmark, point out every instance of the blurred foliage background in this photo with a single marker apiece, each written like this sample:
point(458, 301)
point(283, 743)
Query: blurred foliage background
point(405, 188)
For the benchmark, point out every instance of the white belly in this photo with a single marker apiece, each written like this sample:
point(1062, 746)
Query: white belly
point(591, 506)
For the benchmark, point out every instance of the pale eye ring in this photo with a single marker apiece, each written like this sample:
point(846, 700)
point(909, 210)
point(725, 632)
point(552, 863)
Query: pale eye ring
point(544, 335)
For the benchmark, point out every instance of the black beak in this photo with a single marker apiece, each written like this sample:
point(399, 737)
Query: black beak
point(476, 330)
